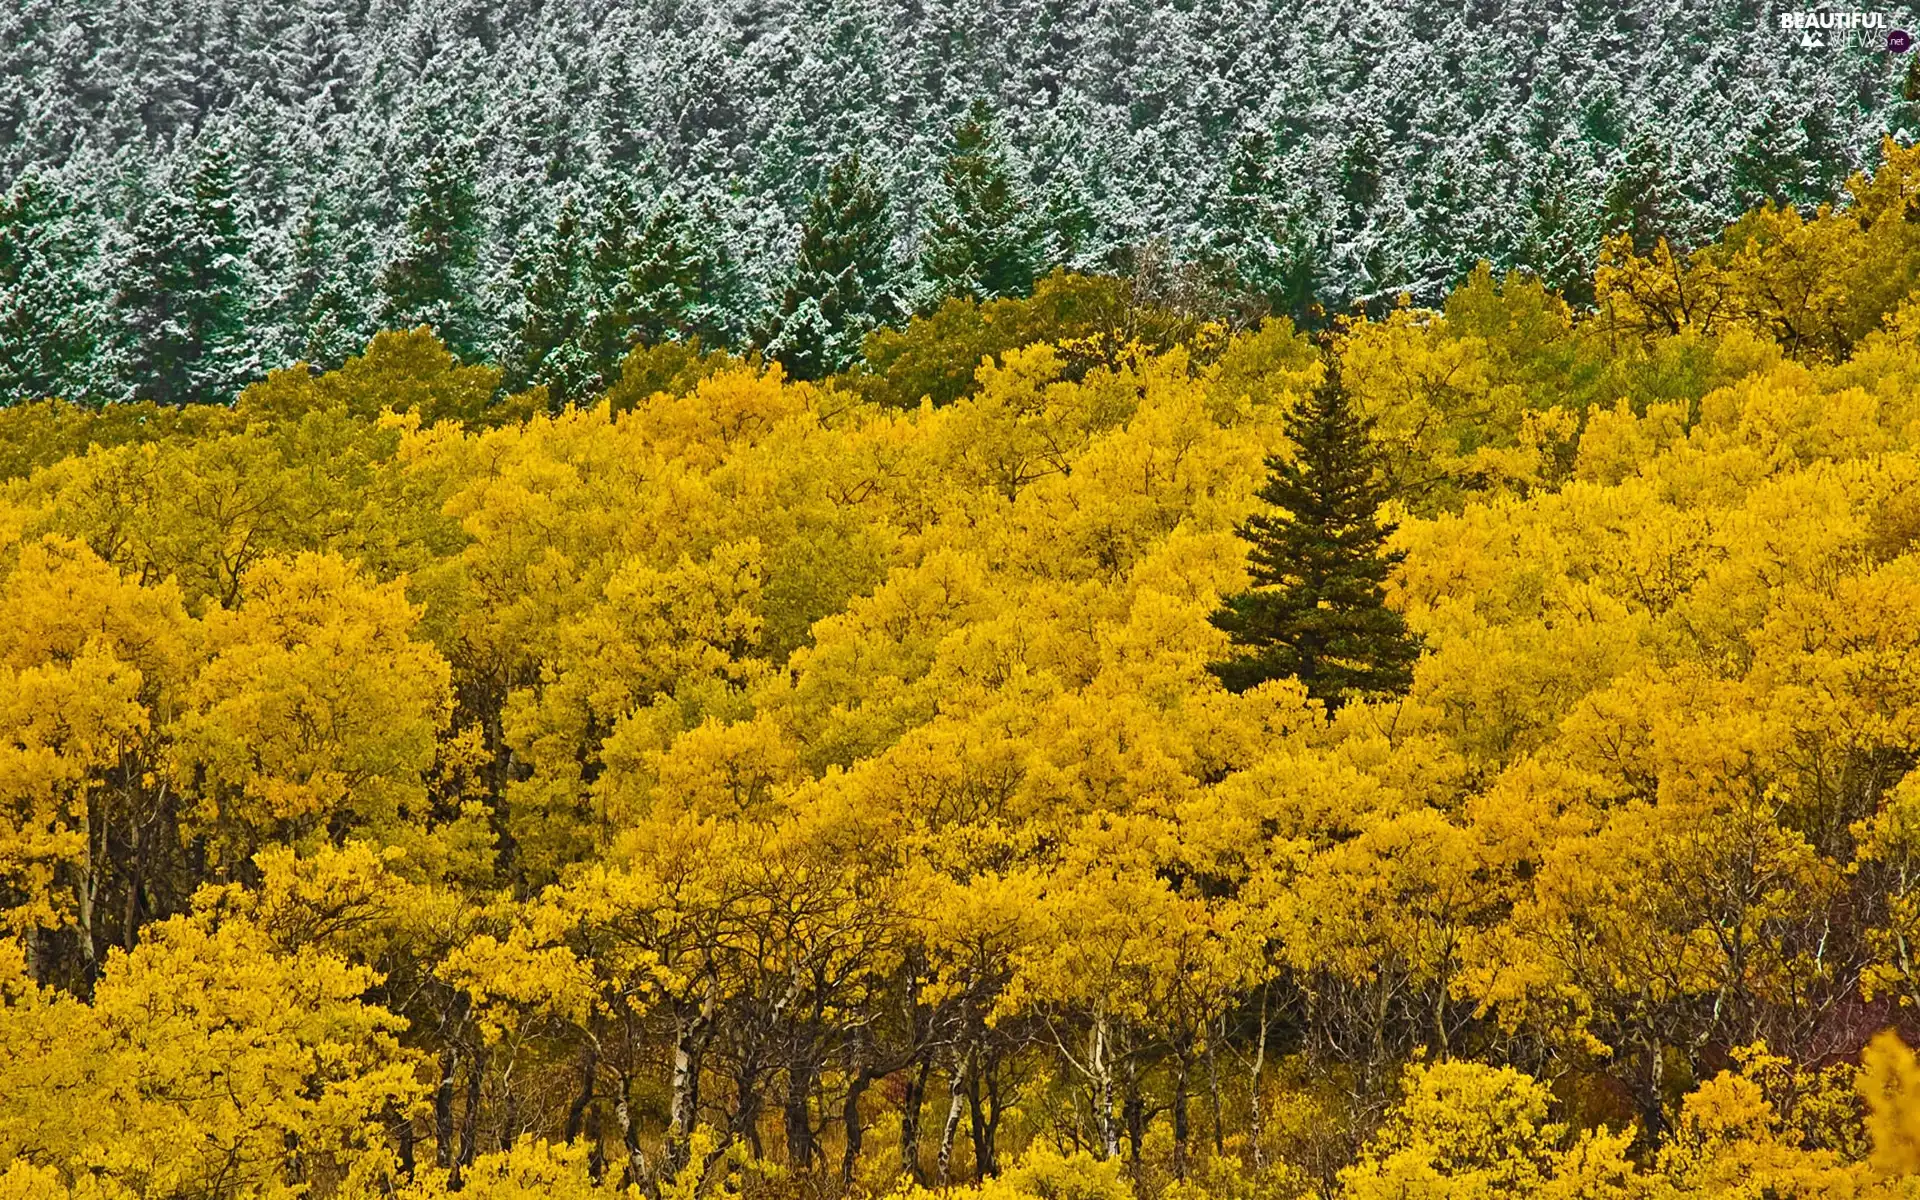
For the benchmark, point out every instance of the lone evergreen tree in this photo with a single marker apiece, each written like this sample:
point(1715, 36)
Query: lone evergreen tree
point(840, 290)
point(983, 242)
point(1317, 611)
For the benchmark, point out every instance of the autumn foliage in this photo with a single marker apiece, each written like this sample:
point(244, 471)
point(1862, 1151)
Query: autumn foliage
point(739, 786)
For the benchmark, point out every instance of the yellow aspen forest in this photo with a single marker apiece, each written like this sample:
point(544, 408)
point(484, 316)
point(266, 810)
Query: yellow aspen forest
point(729, 786)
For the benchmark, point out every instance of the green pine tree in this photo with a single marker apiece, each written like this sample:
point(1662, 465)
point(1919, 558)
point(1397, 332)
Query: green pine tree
point(842, 286)
point(1770, 165)
point(1637, 199)
point(309, 308)
point(1317, 611)
point(983, 242)
point(433, 279)
point(550, 338)
point(608, 331)
point(666, 267)
point(654, 276)
point(46, 336)
point(180, 307)
point(1557, 243)
point(1258, 246)
point(1362, 173)
point(339, 315)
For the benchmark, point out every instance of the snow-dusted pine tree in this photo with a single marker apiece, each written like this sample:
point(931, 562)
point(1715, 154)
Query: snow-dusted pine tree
point(179, 306)
point(983, 241)
point(844, 283)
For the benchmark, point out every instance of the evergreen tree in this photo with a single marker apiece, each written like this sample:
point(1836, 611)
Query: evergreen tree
point(651, 277)
point(329, 302)
point(680, 282)
point(433, 279)
point(336, 327)
point(340, 311)
point(1257, 244)
point(691, 273)
point(180, 307)
point(1771, 163)
point(608, 330)
point(552, 319)
point(1317, 611)
point(982, 242)
point(1636, 201)
point(46, 338)
point(841, 287)
point(1070, 222)
point(1559, 236)
point(1362, 165)
point(300, 287)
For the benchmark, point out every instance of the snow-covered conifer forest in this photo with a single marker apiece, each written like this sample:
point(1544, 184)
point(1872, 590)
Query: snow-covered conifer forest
point(199, 191)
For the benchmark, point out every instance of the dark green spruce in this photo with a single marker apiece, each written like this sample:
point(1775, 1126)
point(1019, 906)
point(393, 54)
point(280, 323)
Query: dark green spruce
point(983, 242)
point(178, 313)
point(549, 343)
point(842, 282)
point(433, 280)
point(47, 335)
point(1317, 610)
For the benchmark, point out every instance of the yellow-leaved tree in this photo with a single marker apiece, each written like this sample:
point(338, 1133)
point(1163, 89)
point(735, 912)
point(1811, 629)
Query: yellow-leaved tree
point(317, 713)
point(212, 1060)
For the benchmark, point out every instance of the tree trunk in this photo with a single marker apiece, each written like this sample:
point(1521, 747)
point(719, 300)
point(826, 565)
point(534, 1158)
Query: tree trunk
point(83, 898)
point(140, 836)
point(956, 1101)
point(1100, 1066)
point(798, 1114)
point(130, 910)
point(979, 1123)
point(1259, 1121)
point(597, 1139)
point(994, 1112)
point(1213, 1092)
point(636, 1171)
point(910, 1107)
point(510, 1119)
point(1378, 1058)
point(577, 1111)
point(36, 964)
point(1181, 1129)
point(470, 1117)
point(443, 1109)
point(850, 1119)
point(1135, 1110)
point(1651, 1105)
point(689, 1045)
point(746, 1115)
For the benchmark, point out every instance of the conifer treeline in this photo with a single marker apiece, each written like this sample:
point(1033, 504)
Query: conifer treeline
point(198, 191)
